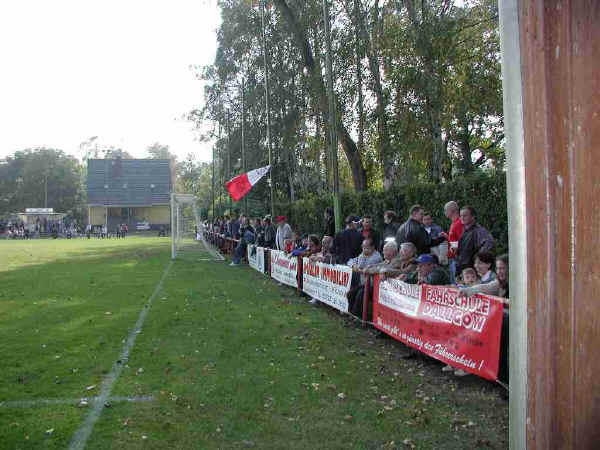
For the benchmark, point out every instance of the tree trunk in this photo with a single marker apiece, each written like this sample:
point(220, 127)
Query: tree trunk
point(319, 93)
point(386, 155)
point(359, 87)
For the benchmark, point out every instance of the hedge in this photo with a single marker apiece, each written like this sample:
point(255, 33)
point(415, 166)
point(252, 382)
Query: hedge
point(486, 192)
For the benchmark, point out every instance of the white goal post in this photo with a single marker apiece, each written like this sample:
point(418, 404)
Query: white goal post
point(187, 231)
point(185, 220)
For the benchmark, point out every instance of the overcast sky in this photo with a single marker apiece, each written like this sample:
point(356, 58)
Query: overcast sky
point(116, 69)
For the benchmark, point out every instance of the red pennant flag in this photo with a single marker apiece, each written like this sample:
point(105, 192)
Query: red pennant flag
point(239, 186)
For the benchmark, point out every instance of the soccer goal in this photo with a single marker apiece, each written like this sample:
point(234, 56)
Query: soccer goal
point(187, 233)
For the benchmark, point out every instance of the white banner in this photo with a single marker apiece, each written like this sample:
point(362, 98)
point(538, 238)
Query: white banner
point(327, 283)
point(260, 259)
point(400, 296)
point(256, 258)
point(284, 269)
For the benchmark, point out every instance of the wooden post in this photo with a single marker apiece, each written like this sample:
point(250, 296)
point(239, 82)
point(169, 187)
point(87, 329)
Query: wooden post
point(553, 198)
point(366, 301)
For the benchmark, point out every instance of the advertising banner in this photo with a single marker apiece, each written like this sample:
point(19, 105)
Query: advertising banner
point(436, 320)
point(284, 269)
point(327, 283)
point(256, 258)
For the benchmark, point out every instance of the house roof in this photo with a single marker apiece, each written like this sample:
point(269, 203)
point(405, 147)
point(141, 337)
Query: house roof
point(128, 182)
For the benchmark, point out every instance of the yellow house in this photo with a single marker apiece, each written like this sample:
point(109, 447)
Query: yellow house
point(129, 191)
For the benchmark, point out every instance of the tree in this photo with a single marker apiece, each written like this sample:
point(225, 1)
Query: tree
point(41, 177)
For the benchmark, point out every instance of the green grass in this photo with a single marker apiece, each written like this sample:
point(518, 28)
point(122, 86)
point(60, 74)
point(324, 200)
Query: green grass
point(231, 359)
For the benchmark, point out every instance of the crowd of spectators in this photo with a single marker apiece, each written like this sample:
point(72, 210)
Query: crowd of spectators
point(422, 251)
point(22, 230)
point(417, 251)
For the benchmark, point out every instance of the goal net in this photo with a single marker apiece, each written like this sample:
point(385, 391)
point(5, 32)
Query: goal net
point(187, 237)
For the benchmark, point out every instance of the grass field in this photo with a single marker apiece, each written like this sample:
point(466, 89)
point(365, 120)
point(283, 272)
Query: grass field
point(225, 359)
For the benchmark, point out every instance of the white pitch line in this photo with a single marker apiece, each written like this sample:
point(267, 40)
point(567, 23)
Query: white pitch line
point(85, 430)
point(70, 401)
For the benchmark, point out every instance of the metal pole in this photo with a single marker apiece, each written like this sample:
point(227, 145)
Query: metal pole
point(510, 45)
point(332, 122)
point(46, 190)
point(267, 101)
point(212, 194)
point(243, 146)
point(228, 154)
point(172, 226)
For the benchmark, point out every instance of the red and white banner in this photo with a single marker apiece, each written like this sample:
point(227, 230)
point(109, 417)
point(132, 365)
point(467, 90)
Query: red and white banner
point(436, 320)
point(284, 269)
point(327, 283)
point(239, 186)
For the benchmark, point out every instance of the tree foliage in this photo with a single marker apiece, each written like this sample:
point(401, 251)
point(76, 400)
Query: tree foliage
point(30, 176)
point(417, 90)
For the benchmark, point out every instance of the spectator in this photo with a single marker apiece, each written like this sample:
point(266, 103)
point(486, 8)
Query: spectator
point(356, 294)
point(497, 287)
point(368, 257)
point(456, 230)
point(329, 222)
point(484, 262)
point(428, 272)
point(247, 236)
point(258, 231)
point(236, 225)
point(390, 261)
point(268, 232)
point(368, 232)
point(325, 255)
point(311, 246)
point(347, 243)
point(299, 248)
point(413, 231)
point(407, 261)
point(469, 277)
point(390, 219)
point(432, 229)
point(474, 239)
point(284, 232)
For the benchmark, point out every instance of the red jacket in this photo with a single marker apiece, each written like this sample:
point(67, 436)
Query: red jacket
point(456, 231)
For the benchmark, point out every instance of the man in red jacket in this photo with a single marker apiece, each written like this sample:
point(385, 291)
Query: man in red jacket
point(452, 212)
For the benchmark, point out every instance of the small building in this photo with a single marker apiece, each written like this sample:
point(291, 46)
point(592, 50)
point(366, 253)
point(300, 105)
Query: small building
point(130, 191)
point(41, 219)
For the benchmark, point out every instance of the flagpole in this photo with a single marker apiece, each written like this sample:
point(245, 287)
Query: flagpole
point(264, 42)
point(332, 122)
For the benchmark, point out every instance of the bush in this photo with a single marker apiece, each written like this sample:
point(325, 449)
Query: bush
point(486, 192)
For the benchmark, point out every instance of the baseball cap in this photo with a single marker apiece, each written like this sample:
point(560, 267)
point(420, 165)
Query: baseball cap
point(425, 258)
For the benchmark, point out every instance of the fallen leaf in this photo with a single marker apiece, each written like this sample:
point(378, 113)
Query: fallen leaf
point(341, 395)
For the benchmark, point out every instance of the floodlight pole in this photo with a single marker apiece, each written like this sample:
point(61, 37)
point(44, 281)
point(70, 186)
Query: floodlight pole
point(332, 121)
point(264, 42)
point(212, 194)
point(172, 225)
point(228, 131)
point(244, 146)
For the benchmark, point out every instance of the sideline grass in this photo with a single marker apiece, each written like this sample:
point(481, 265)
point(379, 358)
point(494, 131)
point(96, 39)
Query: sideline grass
point(233, 361)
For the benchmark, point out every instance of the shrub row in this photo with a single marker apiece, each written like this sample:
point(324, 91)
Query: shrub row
point(486, 192)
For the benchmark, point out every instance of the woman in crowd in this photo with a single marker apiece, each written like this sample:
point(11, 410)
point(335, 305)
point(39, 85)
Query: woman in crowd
point(499, 288)
point(484, 263)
